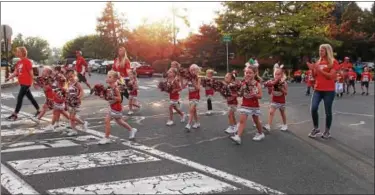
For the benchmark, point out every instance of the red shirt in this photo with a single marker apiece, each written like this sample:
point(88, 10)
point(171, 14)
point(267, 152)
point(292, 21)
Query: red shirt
point(339, 78)
point(117, 105)
point(352, 75)
point(321, 82)
point(298, 73)
point(58, 95)
point(248, 100)
point(79, 63)
point(122, 70)
point(346, 65)
point(23, 68)
point(309, 78)
point(193, 93)
point(277, 95)
point(366, 77)
point(48, 92)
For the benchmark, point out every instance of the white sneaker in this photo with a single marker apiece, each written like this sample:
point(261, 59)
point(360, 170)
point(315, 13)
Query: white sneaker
point(132, 133)
point(183, 118)
point(130, 112)
point(72, 133)
point(174, 111)
point(208, 113)
point(169, 123)
point(85, 125)
point(236, 139)
point(196, 125)
point(267, 128)
point(284, 127)
point(231, 130)
point(103, 141)
point(258, 136)
point(49, 128)
point(188, 127)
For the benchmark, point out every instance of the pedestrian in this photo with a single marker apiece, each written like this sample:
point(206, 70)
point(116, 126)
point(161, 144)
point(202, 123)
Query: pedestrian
point(132, 86)
point(339, 83)
point(113, 96)
point(194, 85)
point(345, 67)
point(74, 97)
point(232, 102)
point(24, 72)
point(251, 92)
point(365, 80)
point(209, 91)
point(279, 91)
point(352, 77)
point(121, 65)
point(81, 68)
point(174, 88)
point(324, 71)
point(309, 81)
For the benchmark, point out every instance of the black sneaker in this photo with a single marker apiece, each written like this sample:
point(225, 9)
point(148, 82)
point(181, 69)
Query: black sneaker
point(366, 93)
point(341, 94)
point(314, 132)
point(363, 93)
point(12, 117)
point(354, 92)
point(326, 135)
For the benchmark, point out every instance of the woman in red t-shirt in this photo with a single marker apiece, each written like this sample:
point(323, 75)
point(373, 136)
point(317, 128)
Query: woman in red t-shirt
point(324, 71)
point(121, 65)
point(24, 72)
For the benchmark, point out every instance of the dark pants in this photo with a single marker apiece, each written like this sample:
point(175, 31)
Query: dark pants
point(25, 90)
point(124, 94)
point(209, 104)
point(327, 97)
point(308, 90)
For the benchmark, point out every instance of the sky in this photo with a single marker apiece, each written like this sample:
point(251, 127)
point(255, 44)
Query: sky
point(59, 22)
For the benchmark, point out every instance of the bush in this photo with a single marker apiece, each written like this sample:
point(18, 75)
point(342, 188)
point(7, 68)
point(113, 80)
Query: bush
point(161, 66)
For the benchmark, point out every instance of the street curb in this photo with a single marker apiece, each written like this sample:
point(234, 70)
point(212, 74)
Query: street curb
point(7, 85)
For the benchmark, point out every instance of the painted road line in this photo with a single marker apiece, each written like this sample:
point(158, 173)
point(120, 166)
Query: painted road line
point(23, 131)
point(13, 183)
point(51, 143)
point(144, 87)
point(221, 174)
point(180, 183)
point(20, 121)
point(6, 96)
point(355, 114)
point(76, 162)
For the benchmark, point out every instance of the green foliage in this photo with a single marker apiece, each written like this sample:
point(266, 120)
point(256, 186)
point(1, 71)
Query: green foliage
point(161, 66)
point(37, 48)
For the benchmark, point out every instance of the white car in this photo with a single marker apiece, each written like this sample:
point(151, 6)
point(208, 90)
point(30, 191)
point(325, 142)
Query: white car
point(95, 64)
point(135, 65)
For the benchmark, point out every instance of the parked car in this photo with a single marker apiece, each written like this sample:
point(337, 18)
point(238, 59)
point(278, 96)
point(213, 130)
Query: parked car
point(144, 69)
point(95, 64)
point(105, 66)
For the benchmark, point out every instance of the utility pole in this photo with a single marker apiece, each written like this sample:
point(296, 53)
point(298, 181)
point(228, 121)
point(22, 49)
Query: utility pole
point(174, 30)
point(227, 39)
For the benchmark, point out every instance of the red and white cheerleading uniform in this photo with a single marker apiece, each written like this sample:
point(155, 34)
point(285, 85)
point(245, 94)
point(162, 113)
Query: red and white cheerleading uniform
point(194, 95)
point(232, 102)
point(174, 97)
point(115, 109)
point(59, 98)
point(278, 97)
point(250, 103)
point(133, 93)
point(73, 92)
point(209, 90)
point(309, 79)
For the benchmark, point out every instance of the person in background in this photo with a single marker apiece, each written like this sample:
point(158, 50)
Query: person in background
point(81, 68)
point(352, 78)
point(365, 80)
point(121, 65)
point(25, 74)
point(345, 67)
point(358, 68)
point(297, 76)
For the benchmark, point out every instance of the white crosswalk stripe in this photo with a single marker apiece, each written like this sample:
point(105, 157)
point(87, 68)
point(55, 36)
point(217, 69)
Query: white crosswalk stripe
point(43, 159)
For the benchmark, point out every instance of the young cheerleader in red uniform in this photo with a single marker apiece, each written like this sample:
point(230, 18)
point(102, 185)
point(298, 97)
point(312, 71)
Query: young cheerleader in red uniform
point(209, 90)
point(113, 96)
point(352, 77)
point(251, 92)
point(309, 81)
point(133, 91)
point(232, 102)
point(365, 80)
point(194, 85)
point(74, 97)
point(279, 90)
point(174, 88)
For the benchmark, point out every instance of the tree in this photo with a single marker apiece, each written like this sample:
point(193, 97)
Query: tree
point(37, 48)
point(182, 15)
point(112, 28)
point(71, 46)
point(289, 29)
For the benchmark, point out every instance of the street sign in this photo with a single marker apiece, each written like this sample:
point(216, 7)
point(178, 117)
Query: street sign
point(227, 38)
point(6, 32)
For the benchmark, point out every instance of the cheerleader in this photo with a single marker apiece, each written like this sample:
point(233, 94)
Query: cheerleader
point(45, 82)
point(174, 88)
point(209, 90)
point(278, 93)
point(133, 91)
point(309, 79)
point(194, 89)
point(352, 77)
point(113, 96)
point(177, 66)
point(251, 92)
point(59, 96)
point(74, 96)
point(365, 80)
point(339, 84)
point(232, 102)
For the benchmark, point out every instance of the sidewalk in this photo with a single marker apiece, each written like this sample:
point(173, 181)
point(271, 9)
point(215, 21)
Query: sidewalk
point(6, 84)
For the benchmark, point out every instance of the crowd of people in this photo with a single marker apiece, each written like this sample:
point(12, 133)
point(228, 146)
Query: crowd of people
point(63, 93)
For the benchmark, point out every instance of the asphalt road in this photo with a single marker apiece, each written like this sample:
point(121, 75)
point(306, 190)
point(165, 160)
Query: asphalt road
point(169, 160)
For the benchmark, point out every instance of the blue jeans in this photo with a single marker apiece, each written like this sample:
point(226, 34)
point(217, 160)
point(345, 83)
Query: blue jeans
point(327, 97)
